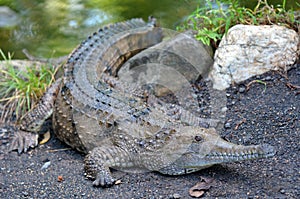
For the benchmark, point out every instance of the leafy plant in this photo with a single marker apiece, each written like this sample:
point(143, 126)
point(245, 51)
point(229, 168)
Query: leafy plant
point(214, 20)
point(21, 88)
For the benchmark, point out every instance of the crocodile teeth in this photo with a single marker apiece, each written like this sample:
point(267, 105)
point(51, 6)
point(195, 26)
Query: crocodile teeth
point(214, 154)
point(249, 156)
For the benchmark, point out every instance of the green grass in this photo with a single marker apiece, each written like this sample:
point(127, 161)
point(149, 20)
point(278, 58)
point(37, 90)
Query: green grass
point(211, 23)
point(20, 89)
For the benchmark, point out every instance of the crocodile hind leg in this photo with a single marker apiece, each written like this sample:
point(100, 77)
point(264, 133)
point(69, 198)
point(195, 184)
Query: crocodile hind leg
point(100, 159)
point(27, 134)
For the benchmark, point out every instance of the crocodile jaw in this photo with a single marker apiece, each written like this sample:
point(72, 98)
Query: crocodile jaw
point(212, 149)
point(230, 154)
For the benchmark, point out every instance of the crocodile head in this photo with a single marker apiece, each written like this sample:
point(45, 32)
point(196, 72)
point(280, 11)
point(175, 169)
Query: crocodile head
point(208, 148)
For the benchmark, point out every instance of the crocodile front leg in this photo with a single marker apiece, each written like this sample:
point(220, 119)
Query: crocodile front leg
point(27, 133)
point(23, 140)
point(100, 159)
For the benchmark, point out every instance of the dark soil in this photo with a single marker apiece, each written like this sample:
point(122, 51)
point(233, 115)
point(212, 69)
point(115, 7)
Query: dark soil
point(262, 114)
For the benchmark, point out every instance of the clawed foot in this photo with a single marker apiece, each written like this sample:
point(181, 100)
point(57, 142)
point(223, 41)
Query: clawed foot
point(96, 169)
point(104, 180)
point(23, 140)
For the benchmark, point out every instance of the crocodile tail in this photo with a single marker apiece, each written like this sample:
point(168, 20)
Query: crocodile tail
point(33, 120)
point(85, 101)
point(104, 52)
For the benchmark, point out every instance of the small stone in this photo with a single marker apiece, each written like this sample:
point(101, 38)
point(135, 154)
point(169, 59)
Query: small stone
point(282, 191)
point(25, 193)
point(194, 96)
point(242, 89)
point(268, 78)
point(176, 196)
point(227, 125)
point(46, 165)
point(224, 109)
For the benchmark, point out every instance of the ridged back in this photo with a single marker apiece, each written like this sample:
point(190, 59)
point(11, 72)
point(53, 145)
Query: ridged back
point(85, 100)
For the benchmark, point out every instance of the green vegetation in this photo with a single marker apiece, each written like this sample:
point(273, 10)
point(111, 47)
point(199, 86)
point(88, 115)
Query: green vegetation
point(20, 89)
point(213, 21)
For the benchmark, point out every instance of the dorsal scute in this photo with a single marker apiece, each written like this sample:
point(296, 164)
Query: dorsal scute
point(84, 89)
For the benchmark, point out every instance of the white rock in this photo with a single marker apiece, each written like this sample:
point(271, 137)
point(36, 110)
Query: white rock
point(249, 50)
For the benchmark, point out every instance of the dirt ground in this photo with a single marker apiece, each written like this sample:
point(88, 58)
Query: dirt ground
point(262, 114)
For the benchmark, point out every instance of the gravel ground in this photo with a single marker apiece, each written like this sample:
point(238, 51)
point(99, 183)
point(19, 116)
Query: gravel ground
point(262, 114)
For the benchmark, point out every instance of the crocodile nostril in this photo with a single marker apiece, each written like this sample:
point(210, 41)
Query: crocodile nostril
point(198, 138)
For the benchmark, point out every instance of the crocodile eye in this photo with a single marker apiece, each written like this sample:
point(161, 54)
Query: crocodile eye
point(198, 138)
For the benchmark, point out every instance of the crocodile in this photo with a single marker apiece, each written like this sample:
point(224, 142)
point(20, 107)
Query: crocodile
point(116, 129)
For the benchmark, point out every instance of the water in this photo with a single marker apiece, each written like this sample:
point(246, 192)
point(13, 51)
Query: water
point(52, 28)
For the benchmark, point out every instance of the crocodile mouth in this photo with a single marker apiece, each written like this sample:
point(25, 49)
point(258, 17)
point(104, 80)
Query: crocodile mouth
point(238, 154)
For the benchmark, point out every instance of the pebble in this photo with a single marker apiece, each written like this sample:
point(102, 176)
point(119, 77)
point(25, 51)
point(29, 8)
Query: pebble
point(227, 125)
point(25, 193)
point(176, 196)
point(194, 95)
point(268, 78)
point(242, 89)
point(46, 165)
point(282, 191)
point(224, 109)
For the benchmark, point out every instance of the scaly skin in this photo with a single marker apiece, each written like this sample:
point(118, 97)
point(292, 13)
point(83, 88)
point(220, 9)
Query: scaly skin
point(179, 150)
point(117, 129)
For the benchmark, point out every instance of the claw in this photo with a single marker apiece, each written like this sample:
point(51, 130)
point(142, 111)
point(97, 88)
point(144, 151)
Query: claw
point(104, 181)
point(23, 140)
